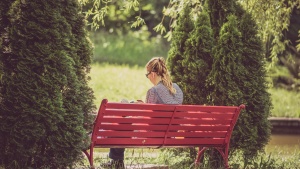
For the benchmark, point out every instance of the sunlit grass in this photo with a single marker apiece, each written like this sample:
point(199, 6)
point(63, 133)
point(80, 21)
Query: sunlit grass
point(117, 82)
point(134, 48)
point(286, 103)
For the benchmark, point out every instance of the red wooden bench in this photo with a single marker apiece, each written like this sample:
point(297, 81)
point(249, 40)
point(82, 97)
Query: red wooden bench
point(156, 125)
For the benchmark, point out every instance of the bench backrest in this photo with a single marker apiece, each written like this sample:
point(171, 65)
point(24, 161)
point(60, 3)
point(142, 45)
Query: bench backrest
point(156, 125)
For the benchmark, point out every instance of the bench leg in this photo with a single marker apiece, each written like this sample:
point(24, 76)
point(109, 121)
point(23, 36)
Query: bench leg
point(199, 155)
point(224, 153)
point(87, 155)
point(90, 156)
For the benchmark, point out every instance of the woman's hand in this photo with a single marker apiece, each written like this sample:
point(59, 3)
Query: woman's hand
point(139, 101)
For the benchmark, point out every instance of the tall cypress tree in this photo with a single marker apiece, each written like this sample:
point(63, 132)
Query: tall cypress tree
point(224, 76)
point(253, 128)
point(176, 61)
point(197, 61)
point(179, 37)
point(238, 77)
point(237, 74)
point(81, 52)
point(44, 85)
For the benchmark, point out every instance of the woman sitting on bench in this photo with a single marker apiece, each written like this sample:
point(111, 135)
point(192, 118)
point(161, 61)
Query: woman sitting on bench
point(163, 92)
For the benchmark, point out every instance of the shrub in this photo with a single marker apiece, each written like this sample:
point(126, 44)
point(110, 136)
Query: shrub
point(45, 98)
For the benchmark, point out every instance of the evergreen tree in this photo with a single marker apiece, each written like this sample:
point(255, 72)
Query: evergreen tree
point(81, 52)
point(187, 61)
point(197, 61)
point(44, 85)
point(237, 73)
point(238, 77)
point(253, 128)
point(179, 37)
point(224, 76)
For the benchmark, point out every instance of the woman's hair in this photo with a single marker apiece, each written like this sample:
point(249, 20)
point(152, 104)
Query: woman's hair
point(158, 65)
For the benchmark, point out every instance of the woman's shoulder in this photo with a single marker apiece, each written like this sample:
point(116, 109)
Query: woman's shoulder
point(178, 89)
point(159, 85)
point(151, 90)
point(175, 85)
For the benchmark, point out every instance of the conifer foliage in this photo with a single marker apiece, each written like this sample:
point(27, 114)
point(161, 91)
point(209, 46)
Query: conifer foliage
point(239, 77)
point(176, 52)
point(219, 10)
point(253, 129)
point(226, 65)
point(4, 22)
point(227, 69)
point(197, 61)
point(45, 98)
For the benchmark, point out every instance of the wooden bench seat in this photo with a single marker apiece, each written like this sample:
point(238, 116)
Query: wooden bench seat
point(127, 125)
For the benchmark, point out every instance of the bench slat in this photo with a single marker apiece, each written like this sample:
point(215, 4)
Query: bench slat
point(161, 133)
point(160, 107)
point(164, 107)
point(198, 134)
point(222, 109)
point(200, 121)
point(143, 142)
point(201, 128)
point(216, 115)
point(133, 127)
point(150, 113)
point(164, 120)
point(164, 127)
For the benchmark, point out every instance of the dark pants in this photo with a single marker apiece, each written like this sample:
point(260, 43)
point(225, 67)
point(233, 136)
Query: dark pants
point(116, 153)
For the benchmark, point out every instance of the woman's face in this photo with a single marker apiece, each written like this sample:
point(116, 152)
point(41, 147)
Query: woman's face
point(150, 75)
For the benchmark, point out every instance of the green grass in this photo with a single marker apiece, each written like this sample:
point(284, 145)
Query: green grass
point(117, 82)
point(135, 48)
point(286, 103)
point(277, 158)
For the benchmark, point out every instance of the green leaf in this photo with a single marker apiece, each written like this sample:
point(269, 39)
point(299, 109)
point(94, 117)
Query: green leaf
point(139, 21)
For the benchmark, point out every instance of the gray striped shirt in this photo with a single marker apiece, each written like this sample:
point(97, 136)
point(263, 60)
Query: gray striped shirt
point(160, 94)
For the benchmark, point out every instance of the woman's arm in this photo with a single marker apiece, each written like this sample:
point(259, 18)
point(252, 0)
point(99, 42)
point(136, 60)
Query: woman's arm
point(151, 96)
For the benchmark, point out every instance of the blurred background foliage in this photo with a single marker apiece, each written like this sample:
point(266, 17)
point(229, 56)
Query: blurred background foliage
point(132, 48)
point(132, 31)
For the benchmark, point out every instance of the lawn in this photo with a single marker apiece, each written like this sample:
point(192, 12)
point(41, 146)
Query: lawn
point(117, 82)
